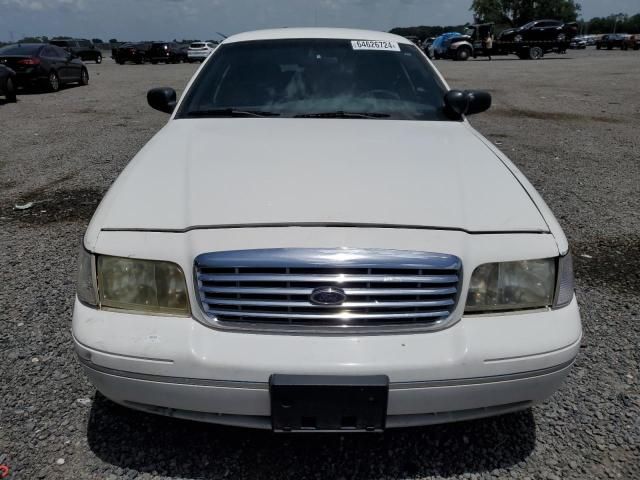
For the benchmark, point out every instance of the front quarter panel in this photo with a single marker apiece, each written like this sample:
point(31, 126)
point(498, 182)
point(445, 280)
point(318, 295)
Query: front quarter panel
point(543, 208)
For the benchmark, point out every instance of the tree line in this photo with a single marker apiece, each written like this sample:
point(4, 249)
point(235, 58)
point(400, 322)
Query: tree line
point(621, 23)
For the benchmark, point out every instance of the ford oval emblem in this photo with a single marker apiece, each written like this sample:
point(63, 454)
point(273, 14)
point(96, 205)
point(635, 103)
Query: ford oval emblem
point(328, 296)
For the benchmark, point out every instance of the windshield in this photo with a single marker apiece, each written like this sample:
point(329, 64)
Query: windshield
point(529, 25)
point(324, 78)
point(197, 45)
point(28, 49)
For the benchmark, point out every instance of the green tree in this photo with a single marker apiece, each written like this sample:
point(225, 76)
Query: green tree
point(565, 10)
point(519, 12)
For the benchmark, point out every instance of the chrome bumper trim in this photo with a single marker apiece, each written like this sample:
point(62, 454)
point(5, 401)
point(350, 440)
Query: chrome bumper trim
point(202, 382)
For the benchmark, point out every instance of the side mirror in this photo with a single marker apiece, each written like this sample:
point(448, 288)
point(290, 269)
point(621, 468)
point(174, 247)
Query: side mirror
point(163, 99)
point(458, 103)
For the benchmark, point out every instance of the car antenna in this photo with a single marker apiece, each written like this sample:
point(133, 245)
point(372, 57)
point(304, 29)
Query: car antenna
point(223, 35)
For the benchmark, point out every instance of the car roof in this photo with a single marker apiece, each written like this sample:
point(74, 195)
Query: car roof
point(330, 33)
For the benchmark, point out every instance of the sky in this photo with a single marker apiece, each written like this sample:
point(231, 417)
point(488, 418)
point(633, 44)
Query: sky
point(201, 19)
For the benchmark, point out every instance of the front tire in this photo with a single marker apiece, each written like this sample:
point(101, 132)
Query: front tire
point(84, 77)
point(11, 91)
point(536, 53)
point(463, 54)
point(53, 81)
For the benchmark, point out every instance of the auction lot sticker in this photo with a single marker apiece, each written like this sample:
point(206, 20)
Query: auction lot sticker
point(375, 45)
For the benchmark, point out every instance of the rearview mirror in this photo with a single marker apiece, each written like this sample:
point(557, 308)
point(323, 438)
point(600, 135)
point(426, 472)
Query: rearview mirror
point(459, 103)
point(163, 99)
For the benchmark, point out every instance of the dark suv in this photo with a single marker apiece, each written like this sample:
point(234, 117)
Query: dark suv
point(166, 52)
point(541, 30)
point(84, 49)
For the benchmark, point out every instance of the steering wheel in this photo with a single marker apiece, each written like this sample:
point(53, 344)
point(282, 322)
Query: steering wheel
point(380, 93)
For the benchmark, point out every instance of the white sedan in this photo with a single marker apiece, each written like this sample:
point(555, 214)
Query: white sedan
point(319, 240)
point(199, 51)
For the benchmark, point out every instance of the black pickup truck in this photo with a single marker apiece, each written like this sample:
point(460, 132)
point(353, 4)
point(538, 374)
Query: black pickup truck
point(84, 49)
point(530, 41)
point(167, 52)
point(131, 52)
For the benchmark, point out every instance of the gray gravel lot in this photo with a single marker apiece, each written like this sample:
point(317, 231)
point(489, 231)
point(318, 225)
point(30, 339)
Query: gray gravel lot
point(571, 123)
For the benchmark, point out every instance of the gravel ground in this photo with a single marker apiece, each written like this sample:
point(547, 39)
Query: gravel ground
point(570, 123)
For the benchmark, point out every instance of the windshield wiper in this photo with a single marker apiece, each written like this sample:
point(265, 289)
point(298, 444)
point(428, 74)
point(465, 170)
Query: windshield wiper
point(343, 114)
point(231, 112)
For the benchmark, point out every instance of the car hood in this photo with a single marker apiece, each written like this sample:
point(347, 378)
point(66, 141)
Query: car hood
point(254, 172)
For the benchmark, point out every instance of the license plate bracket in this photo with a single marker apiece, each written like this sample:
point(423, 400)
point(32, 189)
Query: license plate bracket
point(303, 403)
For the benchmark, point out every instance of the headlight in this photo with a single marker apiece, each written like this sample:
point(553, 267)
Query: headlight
point(142, 285)
point(507, 286)
point(86, 280)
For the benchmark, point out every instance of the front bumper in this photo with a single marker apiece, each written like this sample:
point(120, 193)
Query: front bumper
point(197, 55)
point(481, 366)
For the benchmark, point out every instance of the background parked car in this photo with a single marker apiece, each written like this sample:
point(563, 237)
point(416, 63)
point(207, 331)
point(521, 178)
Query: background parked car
point(131, 52)
point(166, 52)
point(42, 65)
point(183, 54)
point(82, 48)
point(591, 40)
point(199, 51)
point(622, 41)
point(427, 46)
point(8, 83)
point(579, 43)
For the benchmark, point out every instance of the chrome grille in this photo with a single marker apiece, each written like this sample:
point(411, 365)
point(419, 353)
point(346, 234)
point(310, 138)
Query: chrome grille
point(272, 289)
